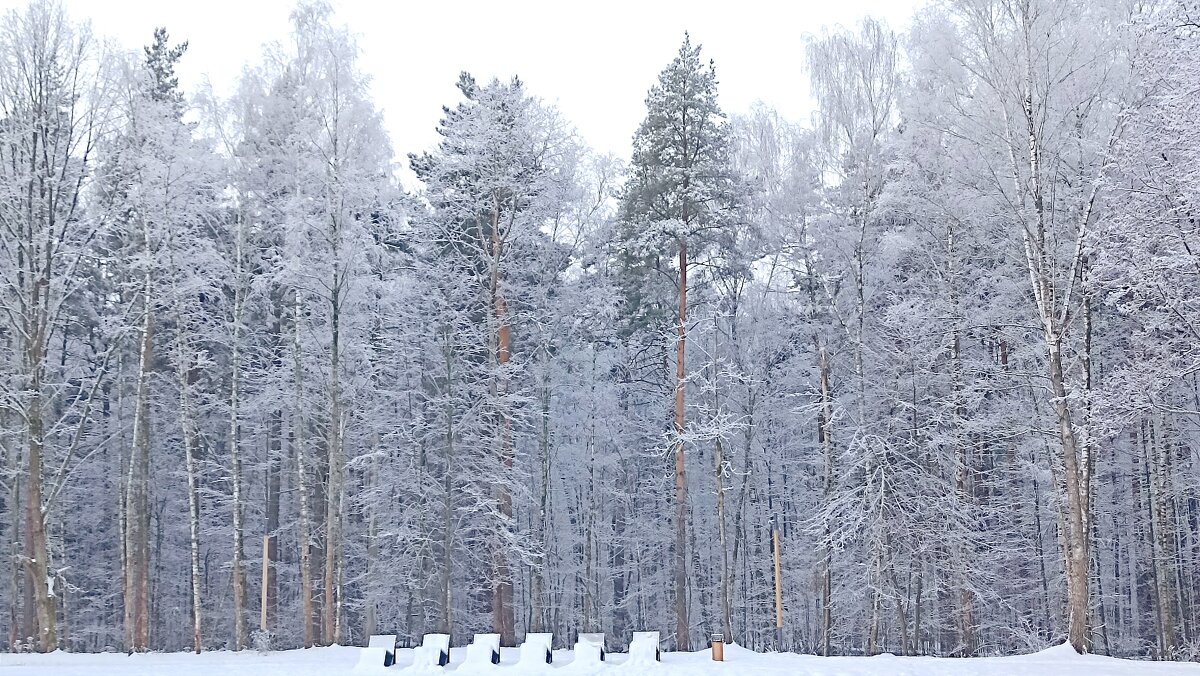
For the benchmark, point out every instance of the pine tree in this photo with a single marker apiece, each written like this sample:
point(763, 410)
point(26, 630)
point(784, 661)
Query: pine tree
point(498, 175)
point(679, 201)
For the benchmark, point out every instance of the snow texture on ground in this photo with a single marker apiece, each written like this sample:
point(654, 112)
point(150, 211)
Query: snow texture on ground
point(351, 661)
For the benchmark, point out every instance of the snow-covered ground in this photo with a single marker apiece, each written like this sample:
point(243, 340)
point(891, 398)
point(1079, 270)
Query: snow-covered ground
point(1060, 661)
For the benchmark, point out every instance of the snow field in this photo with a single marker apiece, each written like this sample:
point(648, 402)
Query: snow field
point(353, 661)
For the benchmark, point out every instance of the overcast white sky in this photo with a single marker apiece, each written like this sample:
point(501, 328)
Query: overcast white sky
point(595, 60)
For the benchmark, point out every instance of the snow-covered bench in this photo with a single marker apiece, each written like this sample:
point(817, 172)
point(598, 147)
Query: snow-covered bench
point(385, 642)
point(589, 649)
point(484, 650)
point(643, 649)
point(434, 651)
point(536, 650)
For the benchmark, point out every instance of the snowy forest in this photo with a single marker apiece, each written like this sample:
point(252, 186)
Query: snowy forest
point(944, 334)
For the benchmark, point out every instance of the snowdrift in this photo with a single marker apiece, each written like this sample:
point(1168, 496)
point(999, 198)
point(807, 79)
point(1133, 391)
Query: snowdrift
point(352, 661)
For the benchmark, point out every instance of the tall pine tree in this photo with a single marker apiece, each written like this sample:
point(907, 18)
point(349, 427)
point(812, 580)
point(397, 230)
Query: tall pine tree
point(679, 201)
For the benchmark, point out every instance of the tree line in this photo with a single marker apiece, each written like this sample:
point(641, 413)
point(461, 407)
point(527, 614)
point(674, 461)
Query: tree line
point(945, 332)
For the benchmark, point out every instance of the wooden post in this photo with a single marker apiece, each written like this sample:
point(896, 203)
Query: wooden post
point(778, 586)
point(266, 568)
point(718, 647)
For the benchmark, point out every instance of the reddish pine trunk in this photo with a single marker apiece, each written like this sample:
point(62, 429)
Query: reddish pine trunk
point(503, 613)
point(682, 626)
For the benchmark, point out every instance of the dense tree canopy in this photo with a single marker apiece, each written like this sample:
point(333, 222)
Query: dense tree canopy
point(942, 337)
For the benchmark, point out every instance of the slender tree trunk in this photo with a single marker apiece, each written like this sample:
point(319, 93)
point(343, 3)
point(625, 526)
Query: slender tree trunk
point(235, 457)
point(372, 585)
point(538, 583)
point(587, 523)
point(448, 537)
point(18, 629)
point(682, 625)
point(273, 487)
point(726, 582)
point(963, 488)
point(447, 619)
point(918, 648)
point(187, 421)
point(1147, 497)
point(1052, 306)
point(137, 501)
point(741, 516)
point(37, 559)
point(503, 613)
point(332, 511)
point(825, 431)
point(1164, 557)
point(336, 452)
point(1039, 550)
point(298, 431)
point(875, 595)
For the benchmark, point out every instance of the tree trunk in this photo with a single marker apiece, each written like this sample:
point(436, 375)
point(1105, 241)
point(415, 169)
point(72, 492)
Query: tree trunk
point(1052, 306)
point(1157, 460)
point(447, 500)
point(298, 446)
point(1076, 533)
point(37, 559)
point(503, 613)
point(333, 532)
point(239, 576)
point(447, 563)
point(137, 507)
point(18, 629)
point(726, 590)
point(333, 496)
point(682, 625)
point(270, 594)
point(372, 599)
point(538, 583)
point(187, 420)
point(825, 431)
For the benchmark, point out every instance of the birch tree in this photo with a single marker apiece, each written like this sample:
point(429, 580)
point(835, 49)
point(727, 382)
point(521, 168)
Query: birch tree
point(322, 212)
point(53, 103)
point(144, 186)
point(1042, 113)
